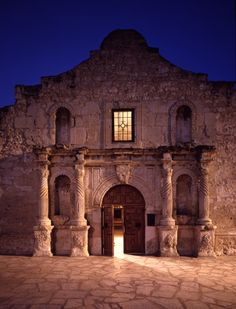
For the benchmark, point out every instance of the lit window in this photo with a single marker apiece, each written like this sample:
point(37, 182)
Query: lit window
point(123, 125)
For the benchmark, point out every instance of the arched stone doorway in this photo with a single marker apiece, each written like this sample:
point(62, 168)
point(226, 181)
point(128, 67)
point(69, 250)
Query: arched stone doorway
point(123, 207)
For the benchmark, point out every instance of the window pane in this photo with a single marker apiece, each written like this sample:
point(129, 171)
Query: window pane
point(123, 126)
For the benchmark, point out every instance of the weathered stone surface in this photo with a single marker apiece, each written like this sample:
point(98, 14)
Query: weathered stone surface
point(181, 159)
point(161, 283)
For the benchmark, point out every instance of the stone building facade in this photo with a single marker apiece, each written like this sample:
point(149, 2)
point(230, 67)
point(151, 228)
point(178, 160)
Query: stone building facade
point(124, 136)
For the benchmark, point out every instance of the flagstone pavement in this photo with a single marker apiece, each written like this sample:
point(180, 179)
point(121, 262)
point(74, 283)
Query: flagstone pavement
point(129, 282)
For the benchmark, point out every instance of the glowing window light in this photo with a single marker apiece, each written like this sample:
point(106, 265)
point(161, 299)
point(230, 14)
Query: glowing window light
point(123, 125)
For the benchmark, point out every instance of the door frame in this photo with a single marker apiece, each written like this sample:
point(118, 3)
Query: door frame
point(111, 206)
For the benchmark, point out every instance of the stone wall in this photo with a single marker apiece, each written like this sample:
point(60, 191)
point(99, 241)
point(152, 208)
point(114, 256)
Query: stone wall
point(116, 76)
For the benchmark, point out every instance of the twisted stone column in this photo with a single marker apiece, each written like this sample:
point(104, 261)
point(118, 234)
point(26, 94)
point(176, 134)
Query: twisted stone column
point(79, 211)
point(167, 197)
point(79, 228)
point(42, 232)
point(203, 195)
point(43, 195)
point(167, 231)
point(205, 230)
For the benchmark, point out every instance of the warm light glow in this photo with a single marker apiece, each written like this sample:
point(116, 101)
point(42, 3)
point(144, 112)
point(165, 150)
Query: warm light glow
point(118, 243)
point(123, 126)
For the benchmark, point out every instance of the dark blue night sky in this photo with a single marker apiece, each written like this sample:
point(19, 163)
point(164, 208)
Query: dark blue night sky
point(47, 37)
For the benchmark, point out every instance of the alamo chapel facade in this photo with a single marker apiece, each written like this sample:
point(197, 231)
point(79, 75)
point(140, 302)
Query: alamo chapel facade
point(124, 140)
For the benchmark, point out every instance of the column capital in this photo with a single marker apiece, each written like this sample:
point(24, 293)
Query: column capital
point(167, 159)
point(206, 158)
point(80, 158)
point(79, 171)
point(43, 168)
point(167, 164)
point(80, 153)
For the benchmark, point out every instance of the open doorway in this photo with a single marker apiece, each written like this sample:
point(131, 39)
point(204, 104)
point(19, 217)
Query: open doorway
point(118, 230)
point(123, 224)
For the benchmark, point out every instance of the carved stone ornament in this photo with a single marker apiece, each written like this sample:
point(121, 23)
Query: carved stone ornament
point(42, 241)
point(168, 242)
point(206, 246)
point(79, 240)
point(124, 172)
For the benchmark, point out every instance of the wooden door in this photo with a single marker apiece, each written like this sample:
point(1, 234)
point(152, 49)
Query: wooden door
point(133, 204)
point(134, 230)
point(108, 231)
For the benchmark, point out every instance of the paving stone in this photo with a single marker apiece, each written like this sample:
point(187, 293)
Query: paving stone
point(123, 295)
point(121, 288)
point(144, 290)
point(45, 306)
point(115, 289)
point(196, 305)
point(101, 292)
point(48, 286)
point(90, 300)
point(140, 304)
point(57, 301)
point(73, 303)
point(167, 303)
point(69, 286)
point(69, 294)
point(186, 295)
point(223, 296)
point(106, 283)
point(88, 284)
point(164, 291)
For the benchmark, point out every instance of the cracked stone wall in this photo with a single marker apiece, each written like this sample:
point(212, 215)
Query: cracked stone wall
point(115, 76)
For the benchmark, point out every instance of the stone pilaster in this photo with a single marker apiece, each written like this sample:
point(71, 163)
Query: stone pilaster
point(167, 230)
point(79, 228)
point(203, 218)
point(79, 208)
point(167, 196)
point(79, 241)
point(42, 232)
point(43, 208)
point(205, 231)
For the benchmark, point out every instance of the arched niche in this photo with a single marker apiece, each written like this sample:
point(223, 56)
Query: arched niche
point(184, 196)
point(185, 181)
point(62, 196)
point(183, 124)
point(63, 119)
point(52, 115)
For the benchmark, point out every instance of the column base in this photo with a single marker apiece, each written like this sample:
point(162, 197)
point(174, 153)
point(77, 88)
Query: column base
point(168, 240)
point(205, 240)
point(79, 241)
point(42, 240)
point(167, 222)
point(204, 221)
point(78, 223)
